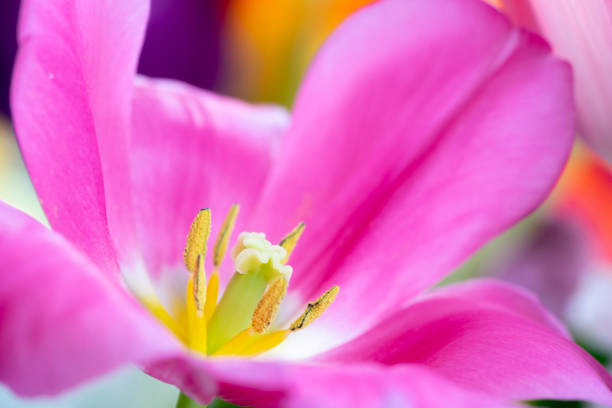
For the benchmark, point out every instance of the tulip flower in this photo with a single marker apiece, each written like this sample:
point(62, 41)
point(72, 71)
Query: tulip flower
point(421, 131)
point(579, 31)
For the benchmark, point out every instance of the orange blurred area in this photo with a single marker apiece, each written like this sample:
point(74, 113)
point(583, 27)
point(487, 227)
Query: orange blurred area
point(584, 192)
point(495, 3)
point(270, 43)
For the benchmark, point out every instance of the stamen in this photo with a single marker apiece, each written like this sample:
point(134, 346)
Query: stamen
point(238, 323)
point(315, 309)
point(199, 285)
point(139, 283)
point(224, 235)
point(197, 239)
point(155, 306)
point(264, 343)
point(289, 242)
point(264, 313)
point(235, 310)
point(236, 344)
point(267, 308)
point(212, 291)
point(248, 343)
point(196, 289)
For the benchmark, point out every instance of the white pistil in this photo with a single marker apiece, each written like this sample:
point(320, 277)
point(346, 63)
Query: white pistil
point(253, 250)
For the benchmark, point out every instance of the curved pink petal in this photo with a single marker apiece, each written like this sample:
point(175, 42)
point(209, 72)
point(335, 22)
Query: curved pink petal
point(473, 335)
point(192, 149)
point(70, 99)
point(492, 293)
point(422, 130)
point(299, 385)
point(62, 322)
point(581, 32)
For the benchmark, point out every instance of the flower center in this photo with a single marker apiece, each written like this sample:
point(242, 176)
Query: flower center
point(240, 322)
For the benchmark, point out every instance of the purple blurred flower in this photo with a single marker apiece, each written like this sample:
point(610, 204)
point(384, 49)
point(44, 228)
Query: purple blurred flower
point(550, 263)
point(182, 42)
point(8, 47)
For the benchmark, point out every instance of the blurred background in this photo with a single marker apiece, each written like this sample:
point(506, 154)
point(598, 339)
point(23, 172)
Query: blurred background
point(258, 50)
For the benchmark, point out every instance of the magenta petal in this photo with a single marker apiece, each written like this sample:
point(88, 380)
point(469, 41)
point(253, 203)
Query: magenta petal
point(492, 293)
point(423, 129)
point(71, 97)
point(192, 149)
point(62, 322)
point(371, 386)
point(298, 385)
point(579, 31)
point(487, 338)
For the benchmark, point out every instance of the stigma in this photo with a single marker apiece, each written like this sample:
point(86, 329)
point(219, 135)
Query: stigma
point(240, 322)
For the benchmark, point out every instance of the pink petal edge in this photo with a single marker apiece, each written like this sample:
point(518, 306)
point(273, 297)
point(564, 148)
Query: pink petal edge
point(71, 95)
point(300, 385)
point(62, 322)
point(485, 336)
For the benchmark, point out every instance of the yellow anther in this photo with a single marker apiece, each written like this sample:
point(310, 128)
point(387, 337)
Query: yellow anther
point(197, 239)
point(212, 292)
point(199, 285)
point(264, 343)
point(224, 235)
point(315, 309)
point(236, 344)
point(267, 308)
point(289, 242)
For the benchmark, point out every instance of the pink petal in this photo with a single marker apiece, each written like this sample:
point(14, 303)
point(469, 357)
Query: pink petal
point(474, 335)
point(579, 31)
point(295, 385)
point(62, 322)
point(422, 130)
point(70, 99)
point(370, 386)
point(492, 293)
point(193, 149)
